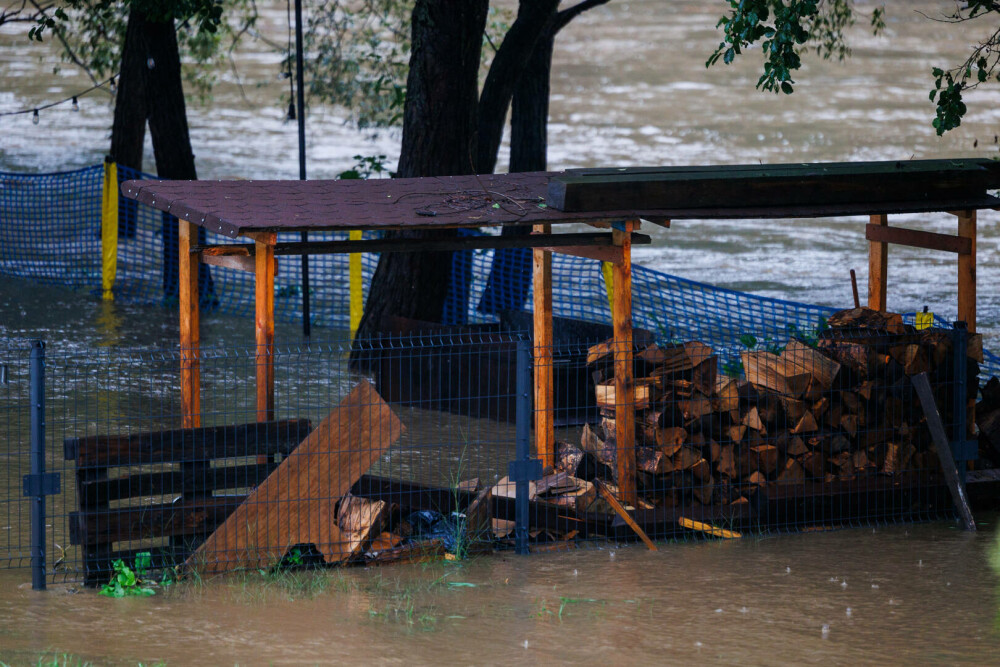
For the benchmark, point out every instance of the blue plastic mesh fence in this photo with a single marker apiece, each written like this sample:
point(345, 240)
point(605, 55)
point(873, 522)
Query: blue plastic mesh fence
point(50, 232)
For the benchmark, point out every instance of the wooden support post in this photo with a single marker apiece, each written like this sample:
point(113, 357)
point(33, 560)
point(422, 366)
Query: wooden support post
point(545, 436)
point(878, 266)
point(967, 270)
point(187, 284)
point(264, 322)
point(621, 315)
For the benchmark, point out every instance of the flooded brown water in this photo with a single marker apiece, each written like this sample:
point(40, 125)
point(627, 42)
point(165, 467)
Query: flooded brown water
point(921, 594)
point(629, 88)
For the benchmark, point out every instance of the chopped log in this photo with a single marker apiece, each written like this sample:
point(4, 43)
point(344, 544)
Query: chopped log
point(695, 407)
point(912, 357)
point(417, 552)
point(702, 470)
point(296, 504)
point(365, 519)
point(355, 513)
point(505, 488)
point(865, 389)
point(703, 492)
point(606, 397)
point(479, 517)
point(850, 424)
point(813, 464)
point(603, 449)
point(384, 541)
point(605, 350)
point(855, 356)
point(726, 463)
point(867, 319)
point(573, 494)
point(757, 479)
point(554, 483)
point(728, 392)
point(804, 359)
point(669, 440)
point(764, 370)
point(794, 408)
point(859, 460)
point(736, 432)
point(796, 446)
point(653, 461)
point(569, 458)
point(503, 527)
point(753, 420)
point(765, 458)
point(469, 486)
point(793, 473)
point(807, 424)
point(686, 458)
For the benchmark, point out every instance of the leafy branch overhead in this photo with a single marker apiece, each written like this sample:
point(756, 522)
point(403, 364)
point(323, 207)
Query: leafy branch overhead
point(785, 29)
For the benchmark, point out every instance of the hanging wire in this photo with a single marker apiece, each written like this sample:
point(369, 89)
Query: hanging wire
point(74, 99)
point(288, 61)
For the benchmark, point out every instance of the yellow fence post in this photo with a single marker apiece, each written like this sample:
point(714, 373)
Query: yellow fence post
point(109, 230)
point(607, 269)
point(354, 272)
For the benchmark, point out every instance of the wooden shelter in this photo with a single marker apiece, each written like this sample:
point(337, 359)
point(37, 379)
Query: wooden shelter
point(614, 201)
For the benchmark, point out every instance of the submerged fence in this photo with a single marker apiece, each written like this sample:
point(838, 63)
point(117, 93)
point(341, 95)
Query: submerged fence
point(413, 447)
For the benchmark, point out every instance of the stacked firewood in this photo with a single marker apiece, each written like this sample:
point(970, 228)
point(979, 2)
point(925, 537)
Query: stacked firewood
point(835, 406)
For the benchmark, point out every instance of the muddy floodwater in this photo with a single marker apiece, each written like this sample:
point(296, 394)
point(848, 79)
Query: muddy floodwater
point(918, 594)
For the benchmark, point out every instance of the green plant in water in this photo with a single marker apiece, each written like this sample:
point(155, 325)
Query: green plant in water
point(129, 581)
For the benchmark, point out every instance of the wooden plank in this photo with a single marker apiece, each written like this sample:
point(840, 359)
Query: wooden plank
point(238, 262)
point(943, 447)
point(623, 513)
point(878, 267)
point(602, 254)
point(296, 504)
point(621, 316)
point(264, 323)
point(544, 408)
point(187, 283)
point(186, 444)
point(198, 516)
point(918, 239)
point(764, 185)
point(201, 483)
point(967, 270)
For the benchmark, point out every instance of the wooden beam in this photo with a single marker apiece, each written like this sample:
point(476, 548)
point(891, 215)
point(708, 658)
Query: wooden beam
point(918, 239)
point(611, 254)
point(621, 316)
point(536, 240)
point(545, 437)
point(878, 266)
point(187, 284)
point(264, 322)
point(967, 270)
point(623, 513)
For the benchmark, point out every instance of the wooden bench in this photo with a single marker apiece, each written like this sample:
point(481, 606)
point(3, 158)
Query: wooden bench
point(159, 491)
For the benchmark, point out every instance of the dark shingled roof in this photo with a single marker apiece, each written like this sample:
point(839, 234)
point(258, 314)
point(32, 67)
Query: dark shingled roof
point(234, 208)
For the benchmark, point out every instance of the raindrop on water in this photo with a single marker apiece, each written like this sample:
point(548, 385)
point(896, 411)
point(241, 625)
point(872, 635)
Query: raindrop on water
point(788, 570)
point(826, 630)
point(848, 612)
point(575, 573)
point(875, 586)
point(525, 643)
point(744, 610)
point(843, 584)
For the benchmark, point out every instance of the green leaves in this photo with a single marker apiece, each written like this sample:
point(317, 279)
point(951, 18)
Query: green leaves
point(126, 581)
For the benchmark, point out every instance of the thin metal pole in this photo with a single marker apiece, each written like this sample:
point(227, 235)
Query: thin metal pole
point(301, 103)
point(960, 345)
point(37, 457)
point(523, 443)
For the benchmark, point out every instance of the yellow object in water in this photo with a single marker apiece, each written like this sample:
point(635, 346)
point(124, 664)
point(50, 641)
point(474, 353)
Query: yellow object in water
point(708, 528)
point(109, 230)
point(925, 320)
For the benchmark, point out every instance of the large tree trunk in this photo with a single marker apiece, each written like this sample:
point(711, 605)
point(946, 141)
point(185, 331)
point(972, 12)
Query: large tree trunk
point(439, 139)
point(150, 89)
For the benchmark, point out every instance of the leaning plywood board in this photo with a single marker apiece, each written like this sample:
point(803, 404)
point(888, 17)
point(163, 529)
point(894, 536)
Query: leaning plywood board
point(297, 502)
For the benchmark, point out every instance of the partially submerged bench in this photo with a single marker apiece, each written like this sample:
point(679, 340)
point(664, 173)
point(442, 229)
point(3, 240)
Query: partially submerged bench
point(165, 492)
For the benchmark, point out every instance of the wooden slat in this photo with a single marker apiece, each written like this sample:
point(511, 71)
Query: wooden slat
point(765, 185)
point(536, 240)
point(967, 270)
point(602, 254)
point(623, 513)
point(918, 239)
point(199, 484)
point(544, 408)
point(185, 517)
point(621, 315)
point(264, 323)
point(238, 262)
point(878, 266)
point(186, 444)
point(187, 283)
point(296, 504)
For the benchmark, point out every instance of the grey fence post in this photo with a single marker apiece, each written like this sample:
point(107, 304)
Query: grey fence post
point(962, 449)
point(33, 487)
point(523, 468)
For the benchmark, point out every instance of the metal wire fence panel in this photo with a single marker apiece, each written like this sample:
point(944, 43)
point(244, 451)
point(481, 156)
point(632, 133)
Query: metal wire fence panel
point(15, 548)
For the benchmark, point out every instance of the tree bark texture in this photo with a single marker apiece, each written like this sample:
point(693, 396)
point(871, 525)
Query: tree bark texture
point(150, 90)
point(439, 139)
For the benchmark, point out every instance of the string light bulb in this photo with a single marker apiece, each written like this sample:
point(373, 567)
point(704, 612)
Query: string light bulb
point(113, 87)
point(76, 105)
point(34, 117)
point(291, 111)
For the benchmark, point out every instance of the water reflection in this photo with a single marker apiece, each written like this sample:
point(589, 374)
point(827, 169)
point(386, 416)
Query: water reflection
point(108, 325)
